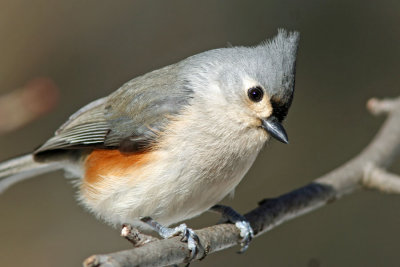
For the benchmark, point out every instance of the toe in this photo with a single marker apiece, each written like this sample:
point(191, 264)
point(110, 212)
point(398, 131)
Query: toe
point(193, 243)
point(247, 234)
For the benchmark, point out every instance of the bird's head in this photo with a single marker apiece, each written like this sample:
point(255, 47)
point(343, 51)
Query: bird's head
point(254, 85)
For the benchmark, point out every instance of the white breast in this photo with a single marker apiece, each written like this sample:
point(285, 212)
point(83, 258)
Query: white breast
point(200, 159)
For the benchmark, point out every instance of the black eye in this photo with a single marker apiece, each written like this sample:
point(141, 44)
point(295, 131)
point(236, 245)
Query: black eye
point(255, 94)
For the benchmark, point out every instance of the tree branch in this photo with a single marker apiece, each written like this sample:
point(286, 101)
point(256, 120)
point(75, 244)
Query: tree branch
point(24, 105)
point(377, 178)
point(365, 170)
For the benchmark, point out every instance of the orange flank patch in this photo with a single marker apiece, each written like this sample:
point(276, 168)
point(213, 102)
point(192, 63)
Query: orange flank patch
point(111, 162)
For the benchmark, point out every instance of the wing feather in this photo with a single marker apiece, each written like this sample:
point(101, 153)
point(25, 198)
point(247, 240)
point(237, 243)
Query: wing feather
point(129, 119)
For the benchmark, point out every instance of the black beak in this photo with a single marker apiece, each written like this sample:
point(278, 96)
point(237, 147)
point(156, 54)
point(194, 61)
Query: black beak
point(275, 129)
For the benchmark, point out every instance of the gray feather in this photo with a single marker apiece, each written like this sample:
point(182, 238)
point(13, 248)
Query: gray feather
point(129, 119)
point(21, 168)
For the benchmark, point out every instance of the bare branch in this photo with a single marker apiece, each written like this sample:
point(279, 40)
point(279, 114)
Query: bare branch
point(381, 152)
point(23, 105)
point(377, 107)
point(377, 178)
point(137, 238)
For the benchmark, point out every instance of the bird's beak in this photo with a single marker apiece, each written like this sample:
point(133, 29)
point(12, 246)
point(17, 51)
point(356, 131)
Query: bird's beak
point(275, 129)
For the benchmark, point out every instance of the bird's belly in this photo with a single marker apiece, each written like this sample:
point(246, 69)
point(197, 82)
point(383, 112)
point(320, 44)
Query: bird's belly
point(202, 198)
point(165, 190)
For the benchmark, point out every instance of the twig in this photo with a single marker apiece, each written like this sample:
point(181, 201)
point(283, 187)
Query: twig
point(377, 178)
point(137, 238)
point(355, 174)
point(23, 105)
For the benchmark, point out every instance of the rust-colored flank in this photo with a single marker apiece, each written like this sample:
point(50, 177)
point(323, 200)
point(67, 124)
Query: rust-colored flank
point(102, 163)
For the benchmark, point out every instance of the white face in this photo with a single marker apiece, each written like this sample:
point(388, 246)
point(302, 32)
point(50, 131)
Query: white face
point(252, 103)
point(256, 99)
point(246, 103)
point(255, 109)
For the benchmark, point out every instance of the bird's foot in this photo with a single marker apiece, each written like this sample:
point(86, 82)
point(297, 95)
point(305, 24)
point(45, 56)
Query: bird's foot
point(188, 235)
point(246, 232)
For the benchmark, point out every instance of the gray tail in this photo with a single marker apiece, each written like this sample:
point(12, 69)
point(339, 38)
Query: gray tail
point(21, 168)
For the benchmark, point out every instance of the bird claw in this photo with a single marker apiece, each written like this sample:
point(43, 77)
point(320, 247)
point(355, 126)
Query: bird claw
point(247, 234)
point(193, 242)
point(187, 234)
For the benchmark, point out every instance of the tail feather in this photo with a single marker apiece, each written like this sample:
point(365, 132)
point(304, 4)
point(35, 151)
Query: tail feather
point(22, 168)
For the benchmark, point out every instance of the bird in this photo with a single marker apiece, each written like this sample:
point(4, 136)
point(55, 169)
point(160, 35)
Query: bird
point(170, 144)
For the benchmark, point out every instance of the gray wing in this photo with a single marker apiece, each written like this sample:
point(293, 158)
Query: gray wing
point(129, 119)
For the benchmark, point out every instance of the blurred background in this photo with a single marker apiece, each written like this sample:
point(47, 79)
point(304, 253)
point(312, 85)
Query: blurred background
point(56, 56)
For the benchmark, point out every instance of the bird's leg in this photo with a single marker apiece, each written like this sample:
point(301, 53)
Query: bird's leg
point(188, 235)
point(246, 232)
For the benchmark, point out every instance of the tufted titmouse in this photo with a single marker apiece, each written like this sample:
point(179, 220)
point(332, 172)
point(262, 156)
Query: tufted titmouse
point(170, 144)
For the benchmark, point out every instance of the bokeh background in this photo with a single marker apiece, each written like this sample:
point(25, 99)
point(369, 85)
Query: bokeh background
point(349, 52)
